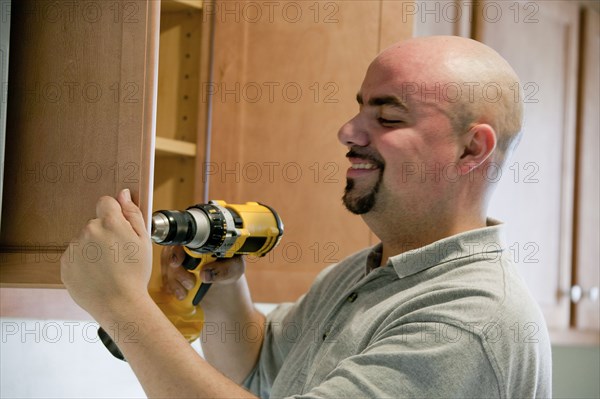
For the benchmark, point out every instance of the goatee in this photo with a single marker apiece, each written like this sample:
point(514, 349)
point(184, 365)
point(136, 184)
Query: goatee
point(361, 204)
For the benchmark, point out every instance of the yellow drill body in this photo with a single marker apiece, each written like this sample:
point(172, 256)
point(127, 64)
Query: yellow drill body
point(256, 230)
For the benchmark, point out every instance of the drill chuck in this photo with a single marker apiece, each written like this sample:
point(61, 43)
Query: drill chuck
point(190, 228)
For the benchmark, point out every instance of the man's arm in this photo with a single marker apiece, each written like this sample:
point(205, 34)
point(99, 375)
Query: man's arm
point(162, 359)
point(234, 330)
point(115, 294)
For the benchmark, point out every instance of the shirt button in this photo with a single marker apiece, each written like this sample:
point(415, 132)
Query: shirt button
point(352, 297)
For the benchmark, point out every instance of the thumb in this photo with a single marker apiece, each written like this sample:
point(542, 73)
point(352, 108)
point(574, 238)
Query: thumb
point(132, 213)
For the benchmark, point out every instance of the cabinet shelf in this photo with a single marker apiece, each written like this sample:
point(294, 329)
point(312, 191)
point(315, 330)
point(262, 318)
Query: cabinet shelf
point(166, 147)
point(180, 5)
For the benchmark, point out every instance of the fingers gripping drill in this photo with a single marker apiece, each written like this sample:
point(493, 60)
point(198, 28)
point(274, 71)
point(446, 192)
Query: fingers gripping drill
point(207, 232)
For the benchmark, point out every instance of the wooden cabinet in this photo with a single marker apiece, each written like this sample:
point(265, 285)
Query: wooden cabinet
point(4, 46)
point(537, 195)
point(80, 124)
point(285, 82)
point(548, 192)
point(442, 17)
point(94, 88)
point(585, 311)
point(535, 191)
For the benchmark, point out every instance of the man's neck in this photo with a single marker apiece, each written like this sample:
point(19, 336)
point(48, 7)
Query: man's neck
point(404, 241)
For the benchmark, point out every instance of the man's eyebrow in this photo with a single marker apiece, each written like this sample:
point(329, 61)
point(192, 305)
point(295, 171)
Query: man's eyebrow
point(383, 100)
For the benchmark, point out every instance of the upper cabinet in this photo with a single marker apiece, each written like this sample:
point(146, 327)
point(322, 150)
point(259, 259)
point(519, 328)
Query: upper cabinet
point(547, 190)
point(441, 17)
point(535, 189)
point(93, 90)
point(80, 124)
point(547, 193)
point(4, 51)
point(586, 278)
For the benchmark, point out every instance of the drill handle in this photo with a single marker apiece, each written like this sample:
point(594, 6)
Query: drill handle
point(192, 263)
point(110, 344)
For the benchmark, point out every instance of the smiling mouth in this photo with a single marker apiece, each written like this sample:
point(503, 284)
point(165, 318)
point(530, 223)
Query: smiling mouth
point(363, 166)
point(363, 161)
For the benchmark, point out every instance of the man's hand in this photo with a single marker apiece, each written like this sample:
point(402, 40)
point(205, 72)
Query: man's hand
point(179, 281)
point(108, 265)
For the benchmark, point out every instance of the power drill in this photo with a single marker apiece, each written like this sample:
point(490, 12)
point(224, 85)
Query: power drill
point(207, 232)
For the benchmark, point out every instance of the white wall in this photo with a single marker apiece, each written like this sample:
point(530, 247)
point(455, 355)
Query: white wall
point(63, 359)
point(60, 359)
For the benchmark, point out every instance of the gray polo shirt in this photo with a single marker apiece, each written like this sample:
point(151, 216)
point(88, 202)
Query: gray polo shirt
point(452, 319)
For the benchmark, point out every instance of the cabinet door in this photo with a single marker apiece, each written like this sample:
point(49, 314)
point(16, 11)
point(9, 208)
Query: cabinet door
point(535, 190)
point(4, 51)
point(81, 109)
point(587, 227)
point(287, 75)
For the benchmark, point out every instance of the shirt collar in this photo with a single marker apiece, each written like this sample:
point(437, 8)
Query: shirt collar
point(487, 240)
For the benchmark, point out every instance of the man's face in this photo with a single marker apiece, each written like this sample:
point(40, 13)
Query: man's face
point(401, 144)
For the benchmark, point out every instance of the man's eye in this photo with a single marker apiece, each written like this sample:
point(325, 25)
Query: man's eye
point(384, 121)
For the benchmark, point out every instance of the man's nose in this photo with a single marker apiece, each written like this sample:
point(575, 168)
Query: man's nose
point(354, 132)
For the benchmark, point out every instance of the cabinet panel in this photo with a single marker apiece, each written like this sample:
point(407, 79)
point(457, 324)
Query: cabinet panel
point(285, 83)
point(535, 192)
point(4, 51)
point(587, 216)
point(80, 124)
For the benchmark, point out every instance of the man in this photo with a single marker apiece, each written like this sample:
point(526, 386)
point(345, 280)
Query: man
point(435, 310)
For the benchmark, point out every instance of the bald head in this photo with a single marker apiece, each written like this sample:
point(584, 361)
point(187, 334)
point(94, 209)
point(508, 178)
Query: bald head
point(465, 79)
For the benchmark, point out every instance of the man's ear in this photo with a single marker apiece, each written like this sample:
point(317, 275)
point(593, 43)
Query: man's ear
point(479, 143)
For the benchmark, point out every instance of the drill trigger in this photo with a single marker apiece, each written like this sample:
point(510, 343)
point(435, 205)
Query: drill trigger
point(190, 263)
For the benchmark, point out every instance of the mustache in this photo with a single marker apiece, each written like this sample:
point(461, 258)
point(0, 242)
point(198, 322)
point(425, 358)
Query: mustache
point(355, 153)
